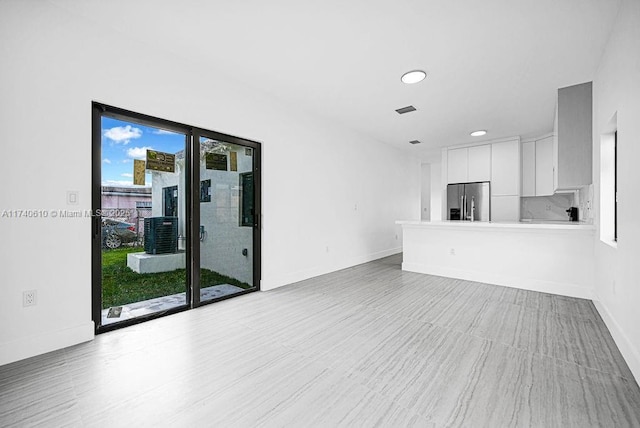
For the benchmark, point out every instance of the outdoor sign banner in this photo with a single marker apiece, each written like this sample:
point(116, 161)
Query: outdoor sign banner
point(233, 158)
point(138, 172)
point(159, 161)
point(216, 161)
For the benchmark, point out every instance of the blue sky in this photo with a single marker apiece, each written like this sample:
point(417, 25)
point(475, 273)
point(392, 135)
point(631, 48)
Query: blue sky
point(122, 142)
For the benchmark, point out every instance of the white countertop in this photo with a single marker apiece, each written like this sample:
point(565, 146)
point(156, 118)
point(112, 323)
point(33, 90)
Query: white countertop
point(499, 225)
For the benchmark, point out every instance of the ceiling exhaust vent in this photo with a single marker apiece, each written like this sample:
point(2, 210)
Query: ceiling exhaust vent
point(406, 109)
point(414, 142)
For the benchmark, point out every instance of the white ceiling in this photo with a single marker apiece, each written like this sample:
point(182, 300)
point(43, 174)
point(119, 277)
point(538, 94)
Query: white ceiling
point(493, 64)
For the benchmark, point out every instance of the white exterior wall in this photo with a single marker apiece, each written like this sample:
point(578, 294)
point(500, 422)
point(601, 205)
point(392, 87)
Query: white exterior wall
point(221, 250)
point(159, 181)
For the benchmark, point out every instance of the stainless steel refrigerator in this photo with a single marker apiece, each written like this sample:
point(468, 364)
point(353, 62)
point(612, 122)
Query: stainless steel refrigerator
point(469, 201)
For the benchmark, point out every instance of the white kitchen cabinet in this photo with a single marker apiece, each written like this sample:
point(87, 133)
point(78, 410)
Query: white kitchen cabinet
point(544, 167)
point(537, 167)
point(529, 168)
point(469, 164)
point(457, 165)
point(572, 151)
point(479, 159)
point(505, 168)
point(505, 208)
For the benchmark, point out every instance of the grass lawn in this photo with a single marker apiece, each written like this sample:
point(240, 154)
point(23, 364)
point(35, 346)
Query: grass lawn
point(121, 285)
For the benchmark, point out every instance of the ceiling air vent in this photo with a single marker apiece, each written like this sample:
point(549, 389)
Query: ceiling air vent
point(406, 109)
point(414, 142)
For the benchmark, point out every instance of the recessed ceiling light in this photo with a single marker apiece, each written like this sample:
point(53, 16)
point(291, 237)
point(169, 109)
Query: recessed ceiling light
point(478, 133)
point(413, 76)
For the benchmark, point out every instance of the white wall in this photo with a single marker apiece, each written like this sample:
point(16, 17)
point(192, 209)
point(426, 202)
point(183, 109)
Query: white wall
point(617, 89)
point(425, 190)
point(436, 192)
point(330, 196)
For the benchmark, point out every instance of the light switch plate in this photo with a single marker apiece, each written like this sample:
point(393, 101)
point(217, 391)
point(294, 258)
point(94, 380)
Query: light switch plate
point(73, 197)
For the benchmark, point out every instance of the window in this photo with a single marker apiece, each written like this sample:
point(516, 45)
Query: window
point(615, 186)
point(246, 202)
point(609, 184)
point(170, 197)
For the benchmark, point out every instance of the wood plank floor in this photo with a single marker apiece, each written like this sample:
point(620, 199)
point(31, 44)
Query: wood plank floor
point(366, 346)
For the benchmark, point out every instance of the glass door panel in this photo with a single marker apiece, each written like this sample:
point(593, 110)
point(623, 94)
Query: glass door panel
point(227, 218)
point(142, 218)
point(176, 213)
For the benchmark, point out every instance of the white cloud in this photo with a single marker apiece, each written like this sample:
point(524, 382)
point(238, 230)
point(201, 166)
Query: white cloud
point(105, 160)
point(126, 174)
point(123, 134)
point(117, 183)
point(120, 183)
point(164, 132)
point(138, 152)
point(126, 160)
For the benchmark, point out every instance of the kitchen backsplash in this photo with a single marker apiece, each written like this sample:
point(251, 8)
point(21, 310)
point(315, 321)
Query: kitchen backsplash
point(546, 207)
point(584, 203)
point(554, 208)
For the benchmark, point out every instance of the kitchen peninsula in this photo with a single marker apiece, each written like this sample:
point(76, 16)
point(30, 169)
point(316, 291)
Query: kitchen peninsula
point(547, 257)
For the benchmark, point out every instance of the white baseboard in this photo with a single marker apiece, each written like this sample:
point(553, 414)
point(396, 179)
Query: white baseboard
point(630, 353)
point(563, 289)
point(292, 277)
point(36, 345)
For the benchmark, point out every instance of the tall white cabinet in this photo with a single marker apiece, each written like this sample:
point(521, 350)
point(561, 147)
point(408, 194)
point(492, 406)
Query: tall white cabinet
point(528, 168)
point(505, 180)
point(544, 167)
point(573, 142)
point(538, 167)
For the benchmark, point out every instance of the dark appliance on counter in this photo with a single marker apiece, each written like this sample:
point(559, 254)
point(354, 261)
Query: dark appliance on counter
point(573, 213)
point(468, 201)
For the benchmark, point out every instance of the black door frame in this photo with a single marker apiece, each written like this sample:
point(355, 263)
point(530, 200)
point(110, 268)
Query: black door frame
point(192, 209)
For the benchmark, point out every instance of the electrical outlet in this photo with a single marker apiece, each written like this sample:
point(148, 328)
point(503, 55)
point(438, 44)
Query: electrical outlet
point(548, 207)
point(29, 298)
point(452, 252)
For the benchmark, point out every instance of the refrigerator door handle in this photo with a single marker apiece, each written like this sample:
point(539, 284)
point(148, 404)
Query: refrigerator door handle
point(464, 216)
point(467, 207)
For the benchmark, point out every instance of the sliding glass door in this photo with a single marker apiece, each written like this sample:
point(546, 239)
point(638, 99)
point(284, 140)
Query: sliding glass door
point(175, 217)
point(228, 218)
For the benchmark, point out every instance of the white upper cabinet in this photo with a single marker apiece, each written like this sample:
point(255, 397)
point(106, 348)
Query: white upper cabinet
point(479, 163)
point(537, 167)
point(529, 168)
point(469, 164)
point(457, 165)
point(505, 168)
point(573, 145)
point(544, 167)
